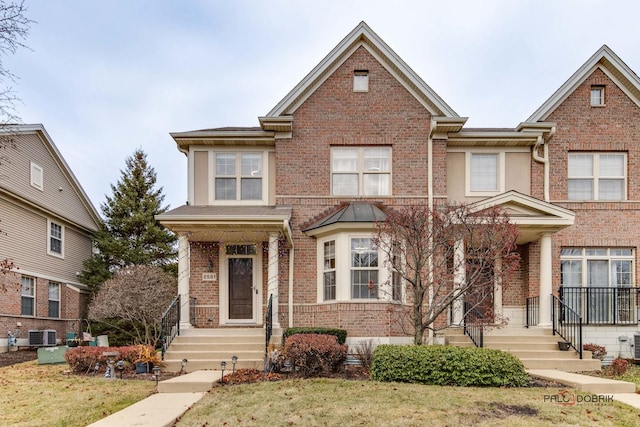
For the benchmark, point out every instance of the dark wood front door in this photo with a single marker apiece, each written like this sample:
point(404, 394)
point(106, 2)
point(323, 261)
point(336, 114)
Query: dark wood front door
point(240, 288)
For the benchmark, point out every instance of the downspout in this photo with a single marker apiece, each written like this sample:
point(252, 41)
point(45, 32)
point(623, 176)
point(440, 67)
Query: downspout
point(291, 258)
point(544, 160)
point(434, 124)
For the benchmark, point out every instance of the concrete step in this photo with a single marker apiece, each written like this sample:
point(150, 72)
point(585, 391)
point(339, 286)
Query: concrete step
point(201, 339)
point(222, 332)
point(173, 365)
point(198, 381)
point(568, 365)
point(543, 354)
point(199, 346)
point(522, 339)
point(214, 354)
point(522, 346)
point(585, 383)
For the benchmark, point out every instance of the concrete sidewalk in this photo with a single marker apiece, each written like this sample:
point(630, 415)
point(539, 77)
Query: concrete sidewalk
point(174, 398)
point(622, 391)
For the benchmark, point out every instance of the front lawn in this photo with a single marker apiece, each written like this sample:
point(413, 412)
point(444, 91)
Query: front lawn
point(37, 395)
point(355, 403)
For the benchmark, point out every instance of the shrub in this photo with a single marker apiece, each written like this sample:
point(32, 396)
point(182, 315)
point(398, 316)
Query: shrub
point(619, 366)
point(83, 360)
point(340, 334)
point(597, 351)
point(275, 359)
point(364, 353)
point(447, 365)
point(314, 354)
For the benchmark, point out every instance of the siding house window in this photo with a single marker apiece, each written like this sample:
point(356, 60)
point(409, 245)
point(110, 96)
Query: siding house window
point(597, 176)
point(364, 268)
point(27, 296)
point(54, 299)
point(484, 172)
point(361, 171)
point(56, 239)
point(329, 274)
point(238, 176)
point(37, 176)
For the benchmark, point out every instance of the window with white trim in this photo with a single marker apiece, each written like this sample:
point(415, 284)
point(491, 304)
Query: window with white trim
point(27, 296)
point(55, 244)
point(364, 268)
point(329, 271)
point(484, 172)
point(54, 300)
point(596, 176)
point(37, 176)
point(361, 171)
point(238, 176)
point(596, 267)
point(597, 96)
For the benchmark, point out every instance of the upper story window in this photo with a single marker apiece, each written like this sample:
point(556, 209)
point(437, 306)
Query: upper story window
point(597, 96)
point(361, 81)
point(485, 173)
point(27, 296)
point(361, 171)
point(238, 176)
point(597, 176)
point(37, 176)
point(55, 244)
point(54, 299)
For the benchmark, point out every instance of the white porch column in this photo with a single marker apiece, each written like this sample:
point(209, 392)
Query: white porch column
point(272, 277)
point(545, 281)
point(459, 278)
point(183, 280)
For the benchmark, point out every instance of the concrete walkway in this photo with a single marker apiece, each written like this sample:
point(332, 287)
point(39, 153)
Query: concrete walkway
point(174, 398)
point(622, 391)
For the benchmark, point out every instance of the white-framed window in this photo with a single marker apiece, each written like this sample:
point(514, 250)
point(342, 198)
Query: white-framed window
point(329, 271)
point(361, 171)
point(485, 173)
point(597, 96)
point(54, 300)
point(27, 296)
point(596, 267)
point(238, 176)
point(37, 176)
point(364, 268)
point(361, 81)
point(596, 176)
point(55, 241)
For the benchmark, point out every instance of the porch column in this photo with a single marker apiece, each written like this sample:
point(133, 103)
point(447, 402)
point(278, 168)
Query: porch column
point(459, 278)
point(183, 280)
point(272, 277)
point(545, 281)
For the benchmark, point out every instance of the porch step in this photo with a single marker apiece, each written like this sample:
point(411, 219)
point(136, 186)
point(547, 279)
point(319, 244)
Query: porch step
point(199, 381)
point(204, 349)
point(536, 348)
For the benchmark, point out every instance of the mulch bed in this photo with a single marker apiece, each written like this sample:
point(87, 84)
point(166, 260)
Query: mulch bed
point(12, 357)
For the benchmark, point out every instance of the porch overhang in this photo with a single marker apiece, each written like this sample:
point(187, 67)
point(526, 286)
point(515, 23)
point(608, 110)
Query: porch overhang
point(534, 217)
point(229, 223)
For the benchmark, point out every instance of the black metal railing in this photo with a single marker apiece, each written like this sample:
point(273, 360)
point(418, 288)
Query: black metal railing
point(170, 324)
point(192, 311)
point(567, 323)
point(473, 324)
point(533, 311)
point(603, 305)
point(268, 326)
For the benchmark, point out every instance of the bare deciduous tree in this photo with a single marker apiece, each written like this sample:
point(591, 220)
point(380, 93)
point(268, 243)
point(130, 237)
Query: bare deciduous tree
point(449, 257)
point(136, 294)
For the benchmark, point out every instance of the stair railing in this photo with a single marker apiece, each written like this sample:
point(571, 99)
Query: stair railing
point(170, 324)
point(533, 313)
point(473, 324)
point(567, 324)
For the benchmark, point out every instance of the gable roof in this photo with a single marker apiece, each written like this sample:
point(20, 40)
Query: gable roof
point(604, 59)
point(362, 35)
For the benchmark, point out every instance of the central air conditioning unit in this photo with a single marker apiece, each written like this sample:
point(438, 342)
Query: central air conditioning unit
point(44, 338)
point(636, 347)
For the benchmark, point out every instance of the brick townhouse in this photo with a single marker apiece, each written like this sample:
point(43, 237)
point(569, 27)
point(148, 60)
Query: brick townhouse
point(280, 210)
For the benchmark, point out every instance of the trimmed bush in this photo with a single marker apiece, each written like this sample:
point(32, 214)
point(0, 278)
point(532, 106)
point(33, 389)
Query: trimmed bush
point(314, 354)
point(340, 334)
point(83, 359)
point(447, 365)
point(597, 351)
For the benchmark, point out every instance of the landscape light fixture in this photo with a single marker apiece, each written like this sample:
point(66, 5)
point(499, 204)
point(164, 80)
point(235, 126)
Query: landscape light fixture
point(183, 364)
point(223, 365)
point(156, 374)
point(234, 360)
point(286, 368)
point(120, 367)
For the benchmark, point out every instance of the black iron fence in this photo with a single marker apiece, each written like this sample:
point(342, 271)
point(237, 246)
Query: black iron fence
point(603, 305)
point(170, 324)
point(533, 311)
point(473, 324)
point(567, 323)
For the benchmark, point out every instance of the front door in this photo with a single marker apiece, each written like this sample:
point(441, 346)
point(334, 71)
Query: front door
point(241, 288)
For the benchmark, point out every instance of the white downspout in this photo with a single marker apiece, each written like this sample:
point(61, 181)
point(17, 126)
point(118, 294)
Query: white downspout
point(430, 206)
point(290, 298)
point(544, 160)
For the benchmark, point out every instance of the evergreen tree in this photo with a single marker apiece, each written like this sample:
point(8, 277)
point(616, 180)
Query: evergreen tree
point(130, 234)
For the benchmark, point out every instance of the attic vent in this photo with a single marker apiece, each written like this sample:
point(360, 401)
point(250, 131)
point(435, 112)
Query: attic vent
point(361, 81)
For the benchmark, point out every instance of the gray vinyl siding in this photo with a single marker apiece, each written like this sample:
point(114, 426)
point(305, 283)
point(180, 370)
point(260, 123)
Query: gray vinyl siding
point(16, 178)
point(24, 240)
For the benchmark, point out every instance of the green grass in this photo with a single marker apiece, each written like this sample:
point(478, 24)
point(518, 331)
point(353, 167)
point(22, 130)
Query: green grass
point(37, 395)
point(333, 402)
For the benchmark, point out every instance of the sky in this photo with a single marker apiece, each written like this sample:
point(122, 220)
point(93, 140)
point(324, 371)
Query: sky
point(108, 77)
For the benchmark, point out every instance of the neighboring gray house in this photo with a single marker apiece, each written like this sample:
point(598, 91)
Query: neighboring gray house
point(47, 222)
